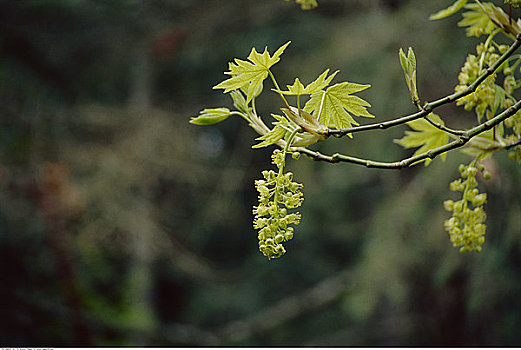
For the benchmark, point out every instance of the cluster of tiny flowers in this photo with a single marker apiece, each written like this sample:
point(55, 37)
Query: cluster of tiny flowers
point(515, 154)
point(277, 194)
point(466, 226)
point(484, 96)
point(515, 3)
point(514, 122)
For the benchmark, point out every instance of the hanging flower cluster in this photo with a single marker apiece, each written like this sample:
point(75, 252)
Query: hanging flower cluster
point(466, 226)
point(277, 194)
point(484, 98)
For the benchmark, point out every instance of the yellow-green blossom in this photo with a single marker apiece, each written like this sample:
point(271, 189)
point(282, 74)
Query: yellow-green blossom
point(466, 226)
point(277, 194)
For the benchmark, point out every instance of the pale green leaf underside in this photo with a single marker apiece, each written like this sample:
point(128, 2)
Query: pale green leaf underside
point(425, 135)
point(336, 107)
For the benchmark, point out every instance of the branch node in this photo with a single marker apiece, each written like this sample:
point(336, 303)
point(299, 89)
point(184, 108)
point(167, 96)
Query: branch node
point(464, 139)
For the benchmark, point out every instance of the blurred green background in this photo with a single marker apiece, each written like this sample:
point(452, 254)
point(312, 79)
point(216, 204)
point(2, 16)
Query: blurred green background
point(123, 224)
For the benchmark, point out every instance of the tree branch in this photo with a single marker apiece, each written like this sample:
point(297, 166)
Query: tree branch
point(430, 106)
point(459, 142)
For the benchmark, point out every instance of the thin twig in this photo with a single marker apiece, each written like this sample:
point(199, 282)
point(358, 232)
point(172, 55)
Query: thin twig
point(444, 128)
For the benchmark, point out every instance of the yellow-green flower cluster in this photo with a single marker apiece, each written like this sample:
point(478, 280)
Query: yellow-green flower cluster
point(515, 154)
point(515, 3)
point(514, 122)
point(484, 99)
point(277, 194)
point(466, 226)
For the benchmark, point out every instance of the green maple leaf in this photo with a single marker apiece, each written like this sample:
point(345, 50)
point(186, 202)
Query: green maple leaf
point(315, 86)
point(249, 75)
point(335, 107)
point(425, 135)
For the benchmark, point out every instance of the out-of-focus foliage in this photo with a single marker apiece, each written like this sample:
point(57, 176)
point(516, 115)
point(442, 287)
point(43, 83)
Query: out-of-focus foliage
point(121, 224)
point(306, 4)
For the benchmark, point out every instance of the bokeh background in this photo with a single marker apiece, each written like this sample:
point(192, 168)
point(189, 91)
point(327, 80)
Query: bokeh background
point(123, 224)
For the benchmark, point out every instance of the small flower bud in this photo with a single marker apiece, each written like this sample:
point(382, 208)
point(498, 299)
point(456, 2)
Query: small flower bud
point(448, 205)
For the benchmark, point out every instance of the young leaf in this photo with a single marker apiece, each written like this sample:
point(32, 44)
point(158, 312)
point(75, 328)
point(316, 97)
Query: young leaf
point(249, 75)
point(239, 101)
point(211, 116)
point(296, 89)
point(452, 9)
point(425, 135)
point(335, 106)
point(274, 135)
point(305, 120)
point(315, 86)
point(282, 127)
point(320, 83)
point(409, 69)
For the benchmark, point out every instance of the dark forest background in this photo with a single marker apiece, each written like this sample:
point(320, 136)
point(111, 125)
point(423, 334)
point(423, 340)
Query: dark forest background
point(123, 224)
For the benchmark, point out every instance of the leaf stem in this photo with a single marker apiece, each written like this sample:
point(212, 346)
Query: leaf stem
point(278, 89)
